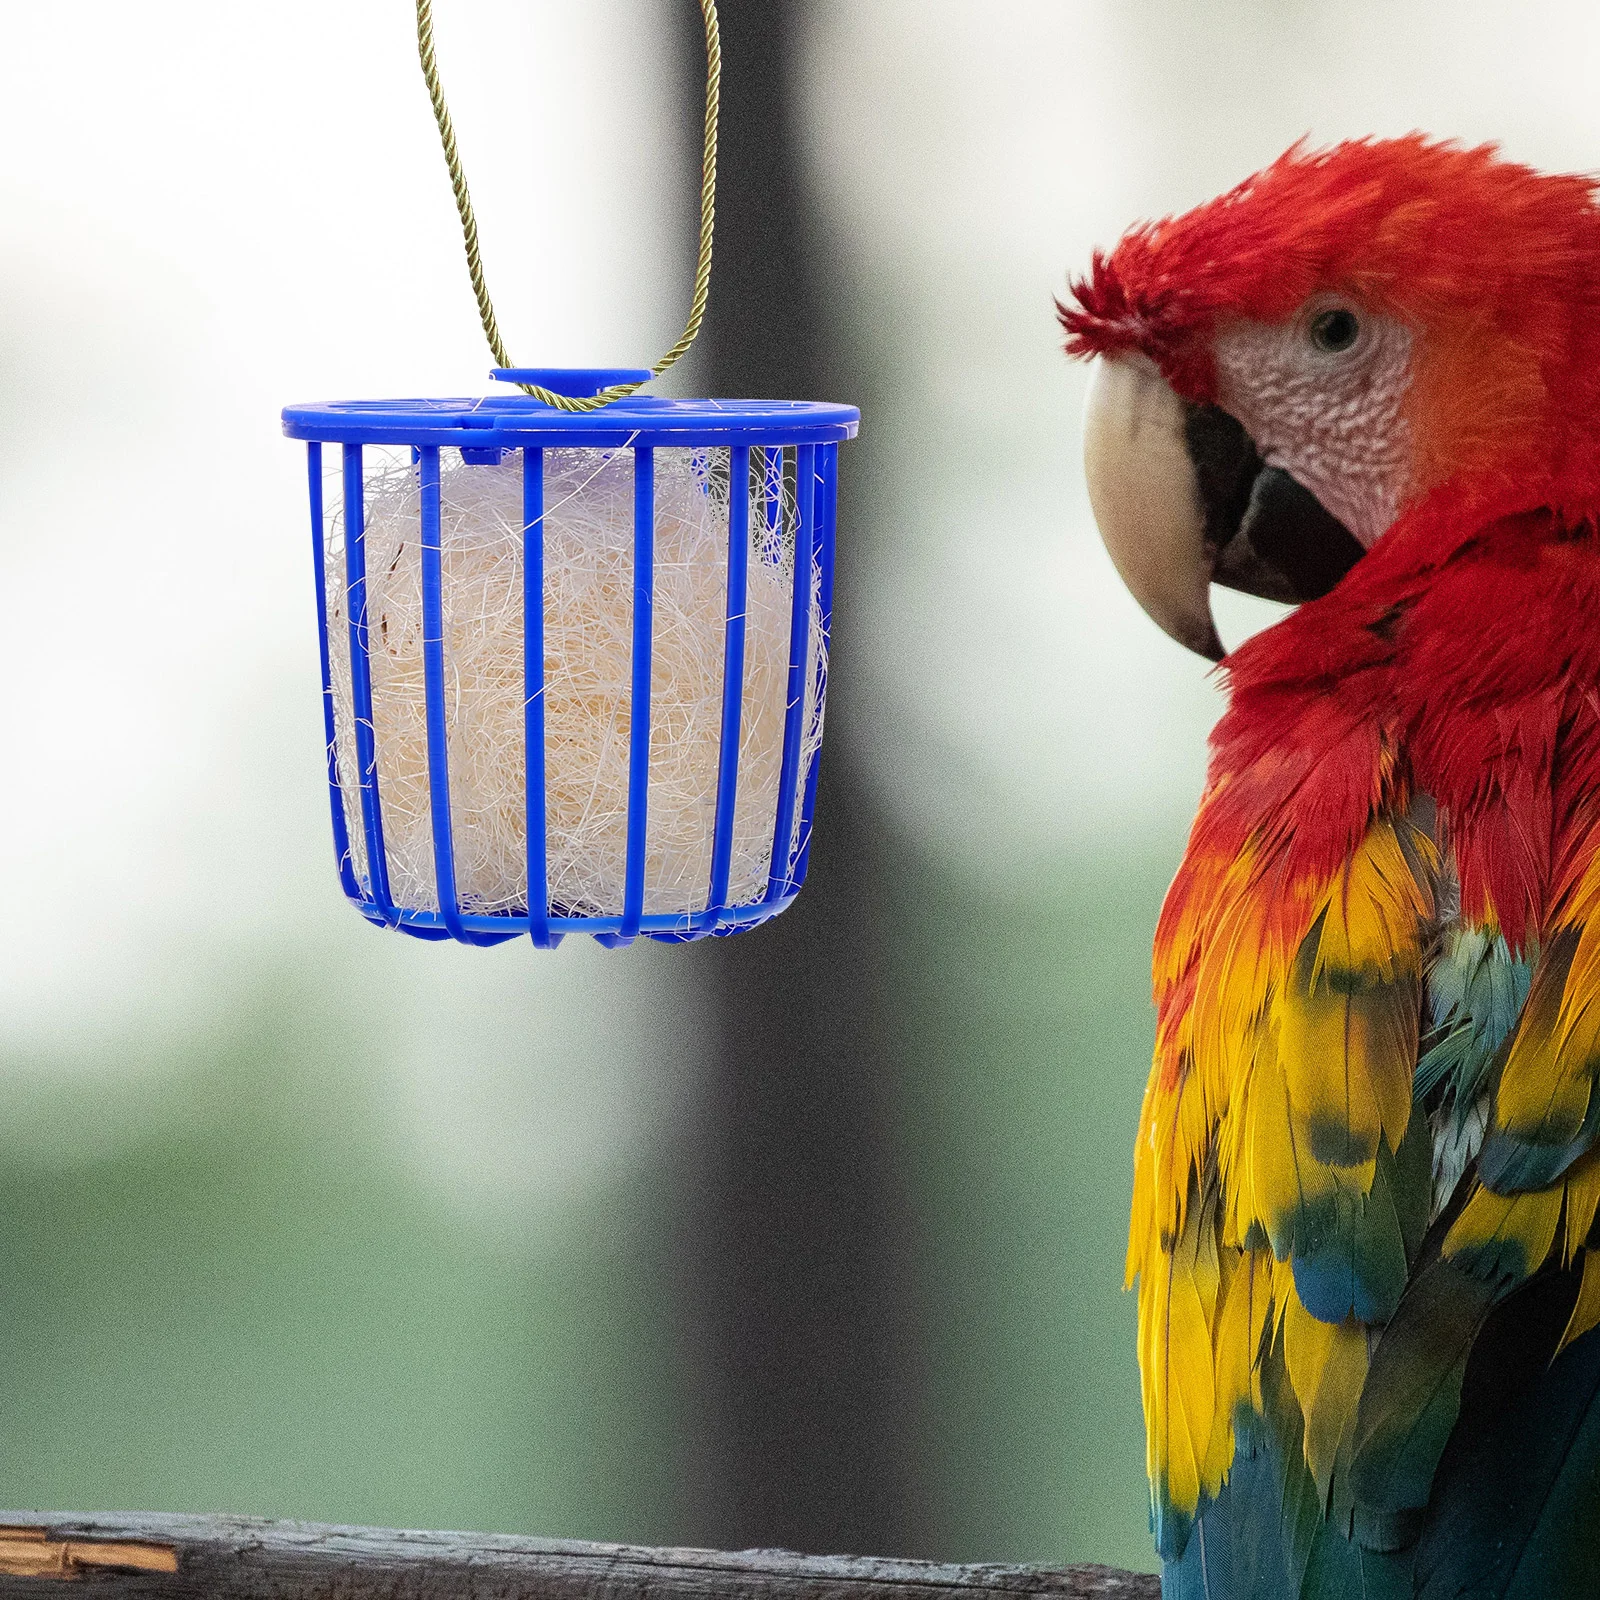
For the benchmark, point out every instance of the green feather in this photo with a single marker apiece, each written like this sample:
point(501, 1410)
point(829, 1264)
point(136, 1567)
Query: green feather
point(1350, 1250)
point(1412, 1393)
point(1509, 1163)
point(1252, 1542)
point(1412, 1181)
point(1516, 1507)
point(1476, 988)
point(1300, 1506)
point(1340, 1569)
point(1236, 1549)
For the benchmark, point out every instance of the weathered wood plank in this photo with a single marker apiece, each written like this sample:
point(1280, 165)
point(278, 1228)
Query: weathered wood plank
point(152, 1556)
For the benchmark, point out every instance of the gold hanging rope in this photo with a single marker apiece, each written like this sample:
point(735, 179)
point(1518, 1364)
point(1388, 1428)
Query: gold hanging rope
point(469, 223)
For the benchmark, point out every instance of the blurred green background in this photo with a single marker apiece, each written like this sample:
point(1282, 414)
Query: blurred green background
point(297, 1219)
point(247, 1297)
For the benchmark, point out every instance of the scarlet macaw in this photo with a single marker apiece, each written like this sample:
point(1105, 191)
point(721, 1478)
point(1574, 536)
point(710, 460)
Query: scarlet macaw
point(1367, 1173)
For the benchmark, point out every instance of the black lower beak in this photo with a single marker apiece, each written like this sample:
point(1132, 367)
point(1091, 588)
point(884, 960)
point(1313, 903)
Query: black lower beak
point(1269, 535)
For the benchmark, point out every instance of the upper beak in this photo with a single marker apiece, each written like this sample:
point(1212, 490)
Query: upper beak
point(1146, 498)
point(1183, 500)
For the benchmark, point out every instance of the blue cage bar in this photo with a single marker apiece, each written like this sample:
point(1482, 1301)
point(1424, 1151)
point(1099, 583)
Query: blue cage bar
point(488, 430)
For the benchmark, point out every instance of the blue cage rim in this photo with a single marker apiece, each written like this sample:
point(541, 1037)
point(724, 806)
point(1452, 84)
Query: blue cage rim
point(511, 421)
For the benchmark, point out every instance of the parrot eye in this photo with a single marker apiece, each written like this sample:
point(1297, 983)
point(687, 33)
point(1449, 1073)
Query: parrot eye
point(1335, 330)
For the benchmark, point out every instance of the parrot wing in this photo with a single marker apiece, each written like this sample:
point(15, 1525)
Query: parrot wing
point(1282, 1178)
point(1510, 1439)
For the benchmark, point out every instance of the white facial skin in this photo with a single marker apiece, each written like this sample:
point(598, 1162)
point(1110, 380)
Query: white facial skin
point(1330, 418)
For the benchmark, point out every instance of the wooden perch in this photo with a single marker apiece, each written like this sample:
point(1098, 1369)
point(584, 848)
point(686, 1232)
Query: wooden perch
point(152, 1556)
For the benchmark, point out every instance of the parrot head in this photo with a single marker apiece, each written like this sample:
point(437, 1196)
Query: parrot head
point(1284, 372)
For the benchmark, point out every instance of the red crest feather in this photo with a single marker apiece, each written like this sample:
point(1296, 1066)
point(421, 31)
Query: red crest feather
point(1423, 229)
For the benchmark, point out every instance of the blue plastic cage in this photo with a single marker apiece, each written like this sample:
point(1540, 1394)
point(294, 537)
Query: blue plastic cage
point(792, 442)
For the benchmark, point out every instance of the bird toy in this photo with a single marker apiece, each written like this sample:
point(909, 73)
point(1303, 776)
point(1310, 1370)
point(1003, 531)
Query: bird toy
point(574, 640)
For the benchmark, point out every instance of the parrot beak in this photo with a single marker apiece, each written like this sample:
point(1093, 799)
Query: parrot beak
point(1183, 500)
point(1146, 498)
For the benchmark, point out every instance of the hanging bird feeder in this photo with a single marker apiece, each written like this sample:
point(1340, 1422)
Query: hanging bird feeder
point(574, 639)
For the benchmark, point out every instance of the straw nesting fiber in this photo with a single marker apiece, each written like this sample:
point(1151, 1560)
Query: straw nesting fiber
point(588, 620)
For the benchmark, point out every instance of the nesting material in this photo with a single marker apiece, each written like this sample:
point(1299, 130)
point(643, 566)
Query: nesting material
point(588, 624)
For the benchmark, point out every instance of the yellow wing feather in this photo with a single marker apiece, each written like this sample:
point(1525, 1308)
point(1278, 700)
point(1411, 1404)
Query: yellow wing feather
point(1518, 1230)
point(1544, 1088)
point(1177, 1305)
point(1286, 1046)
point(1327, 1364)
point(1539, 1175)
point(1586, 1309)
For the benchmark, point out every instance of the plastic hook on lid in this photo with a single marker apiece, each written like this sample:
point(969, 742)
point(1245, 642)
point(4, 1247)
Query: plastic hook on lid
point(577, 383)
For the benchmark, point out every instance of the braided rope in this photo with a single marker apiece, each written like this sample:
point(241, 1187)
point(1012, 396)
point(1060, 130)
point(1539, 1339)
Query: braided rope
point(469, 222)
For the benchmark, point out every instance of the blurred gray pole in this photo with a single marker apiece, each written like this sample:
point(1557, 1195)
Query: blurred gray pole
point(798, 1318)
